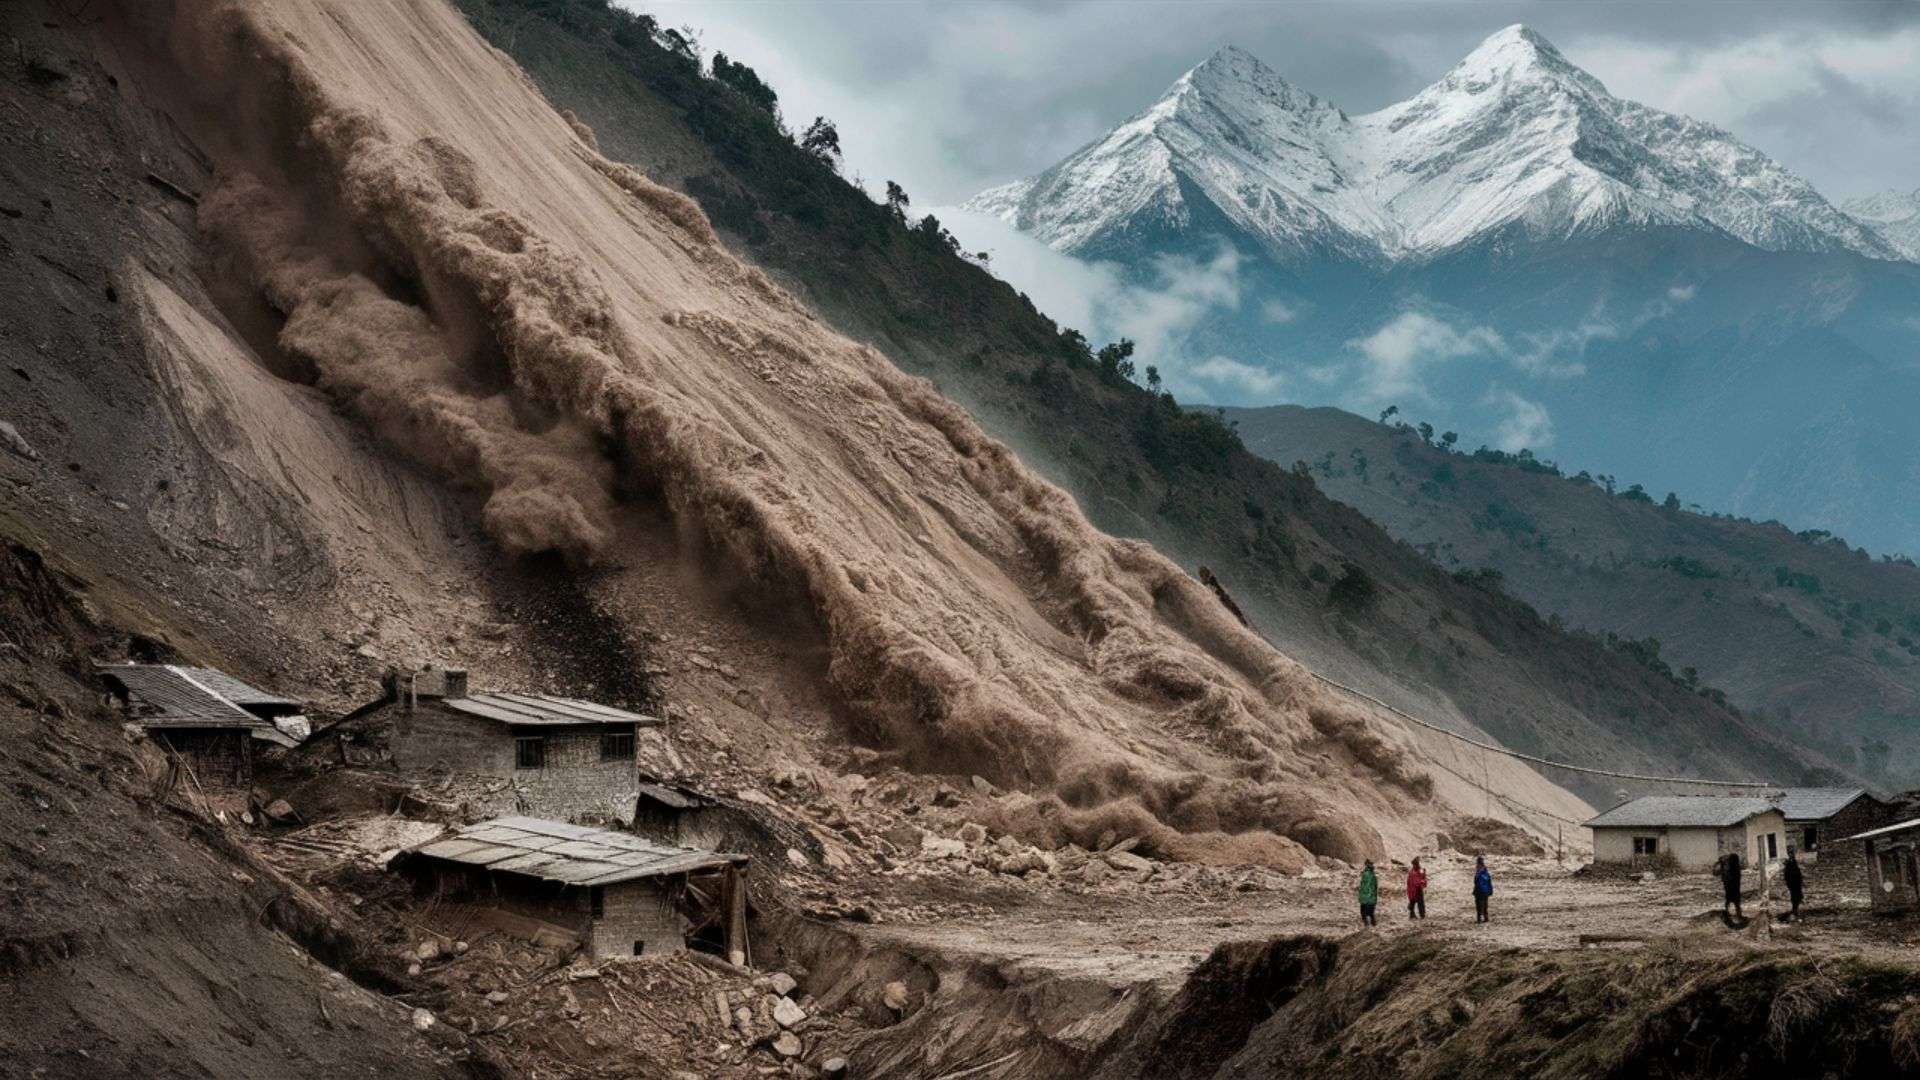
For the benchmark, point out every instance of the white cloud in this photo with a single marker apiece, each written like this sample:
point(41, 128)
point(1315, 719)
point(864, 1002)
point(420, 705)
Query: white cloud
point(1680, 294)
point(1277, 312)
point(1526, 424)
point(1101, 302)
point(1226, 372)
point(1395, 353)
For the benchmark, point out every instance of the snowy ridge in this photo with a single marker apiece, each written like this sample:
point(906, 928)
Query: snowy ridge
point(1513, 135)
point(1895, 215)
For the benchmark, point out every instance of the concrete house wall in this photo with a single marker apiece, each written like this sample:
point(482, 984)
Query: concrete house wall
point(1693, 847)
point(572, 783)
point(635, 917)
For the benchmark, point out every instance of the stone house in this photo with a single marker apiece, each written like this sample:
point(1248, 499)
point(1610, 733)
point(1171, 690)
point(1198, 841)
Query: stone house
point(609, 893)
point(1893, 866)
point(1819, 814)
point(1693, 830)
point(561, 758)
point(679, 815)
point(209, 719)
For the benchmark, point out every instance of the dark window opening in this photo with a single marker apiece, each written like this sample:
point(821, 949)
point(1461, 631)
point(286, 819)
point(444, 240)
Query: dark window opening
point(1810, 840)
point(1773, 845)
point(530, 753)
point(616, 746)
point(639, 948)
point(597, 901)
point(1646, 845)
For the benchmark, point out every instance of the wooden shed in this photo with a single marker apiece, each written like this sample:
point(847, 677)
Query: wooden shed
point(1893, 866)
point(612, 893)
point(193, 713)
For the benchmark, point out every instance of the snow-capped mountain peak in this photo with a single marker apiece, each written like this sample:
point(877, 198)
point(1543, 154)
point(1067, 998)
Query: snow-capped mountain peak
point(1513, 136)
point(1895, 215)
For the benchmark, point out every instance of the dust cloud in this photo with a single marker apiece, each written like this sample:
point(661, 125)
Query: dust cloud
point(468, 276)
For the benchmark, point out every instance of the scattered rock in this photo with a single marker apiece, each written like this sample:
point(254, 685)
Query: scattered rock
point(972, 833)
point(11, 438)
point(788, 1045)
point(1095, 872)
point(939, 847)
point(781, 983)
point(834, 1066)
point(786, 1013)
point(497, 997)
point(905, 838)
point(280, 812)
point(984, 786)
point(1128, 863)
point(422, 1020)
point(797, 857)
point(895, 996)
point(428, 950)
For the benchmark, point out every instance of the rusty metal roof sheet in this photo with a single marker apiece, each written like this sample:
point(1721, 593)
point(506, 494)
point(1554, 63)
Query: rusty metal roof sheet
point(541, 709)
point(569, 854)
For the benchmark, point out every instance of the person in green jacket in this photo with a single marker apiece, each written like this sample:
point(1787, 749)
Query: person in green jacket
point(1369, 894)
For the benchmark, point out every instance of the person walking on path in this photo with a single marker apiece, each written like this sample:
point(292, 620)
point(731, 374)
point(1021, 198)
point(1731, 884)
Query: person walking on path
point(1796, 885)
point(1482, 888)
point(1369, 893)
point(1416, 892)
point(1730, 882)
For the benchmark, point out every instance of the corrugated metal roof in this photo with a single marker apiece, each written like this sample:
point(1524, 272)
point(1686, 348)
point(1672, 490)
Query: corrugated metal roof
point(537, 709)
point(1704, 811)
point(570, 854)
point(673, 797)
point(165, 696)
point(1901, 826)
point(241, 694)
point(1816, 803)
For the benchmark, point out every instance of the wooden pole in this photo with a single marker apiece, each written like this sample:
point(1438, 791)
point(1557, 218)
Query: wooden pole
point(738, 950)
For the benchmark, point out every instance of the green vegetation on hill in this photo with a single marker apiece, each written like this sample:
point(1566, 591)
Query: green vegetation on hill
point(1328, 586)
point(1819, 641)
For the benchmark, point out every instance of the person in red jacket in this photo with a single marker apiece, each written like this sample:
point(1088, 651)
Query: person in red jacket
point(1416, 892)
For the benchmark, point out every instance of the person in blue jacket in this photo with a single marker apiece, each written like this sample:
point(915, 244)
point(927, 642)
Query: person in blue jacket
point(1482, 888)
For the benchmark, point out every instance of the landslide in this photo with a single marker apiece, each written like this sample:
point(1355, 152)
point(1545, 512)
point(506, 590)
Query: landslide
point(1459, 651)
point(1818, 639)
point(373, 300)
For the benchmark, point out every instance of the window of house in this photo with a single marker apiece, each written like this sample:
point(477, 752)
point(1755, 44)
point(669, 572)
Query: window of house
point(1810, 840)
point(1773, 845)
point(1646, 845)
point(597, 901)
point(530, 753)
point(616, 746)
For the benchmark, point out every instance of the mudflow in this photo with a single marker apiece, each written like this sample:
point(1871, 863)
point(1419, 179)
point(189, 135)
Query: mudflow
point(457, 266)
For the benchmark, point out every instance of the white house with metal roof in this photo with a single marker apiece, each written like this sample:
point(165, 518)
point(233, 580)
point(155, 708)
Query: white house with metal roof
point(1693, 830)
point(559, 758)
point(611, 893)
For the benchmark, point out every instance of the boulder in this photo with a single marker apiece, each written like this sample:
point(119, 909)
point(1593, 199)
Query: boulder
point(422, 1020)
point(834, 1066)
point(939, 847)
point(1128, 863)
point(280, 812)
point(984, 786)
point(895, 996)
point(781, 983)
point(972, 833)
point(1095, 872)
point(905, 838)
point(788, 1045)
point(786, 1013)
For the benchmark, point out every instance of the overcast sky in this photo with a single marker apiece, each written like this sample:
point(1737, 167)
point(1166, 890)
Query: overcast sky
point(949, 98)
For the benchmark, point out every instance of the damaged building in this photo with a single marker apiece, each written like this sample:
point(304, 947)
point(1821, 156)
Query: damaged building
point(608, 893)
point(564, 759)
point(209, 719)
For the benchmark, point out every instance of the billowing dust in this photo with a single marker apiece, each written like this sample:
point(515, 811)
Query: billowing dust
point(468, 276)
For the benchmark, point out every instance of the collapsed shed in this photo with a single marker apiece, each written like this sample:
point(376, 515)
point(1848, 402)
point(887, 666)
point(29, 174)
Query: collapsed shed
point(611, 893)
point(208, 718)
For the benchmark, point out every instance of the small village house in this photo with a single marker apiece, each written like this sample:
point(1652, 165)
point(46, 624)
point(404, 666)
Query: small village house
point(1815, 815)
point(210, 719)
point(564, 759)
point(1694, 831)
point(609, 893)
point(1893, 866)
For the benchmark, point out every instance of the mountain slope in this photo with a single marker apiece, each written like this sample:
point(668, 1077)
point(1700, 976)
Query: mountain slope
point(1817, 638)
point(1454, 651)
point(1895, 215)
point(1512, 136)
